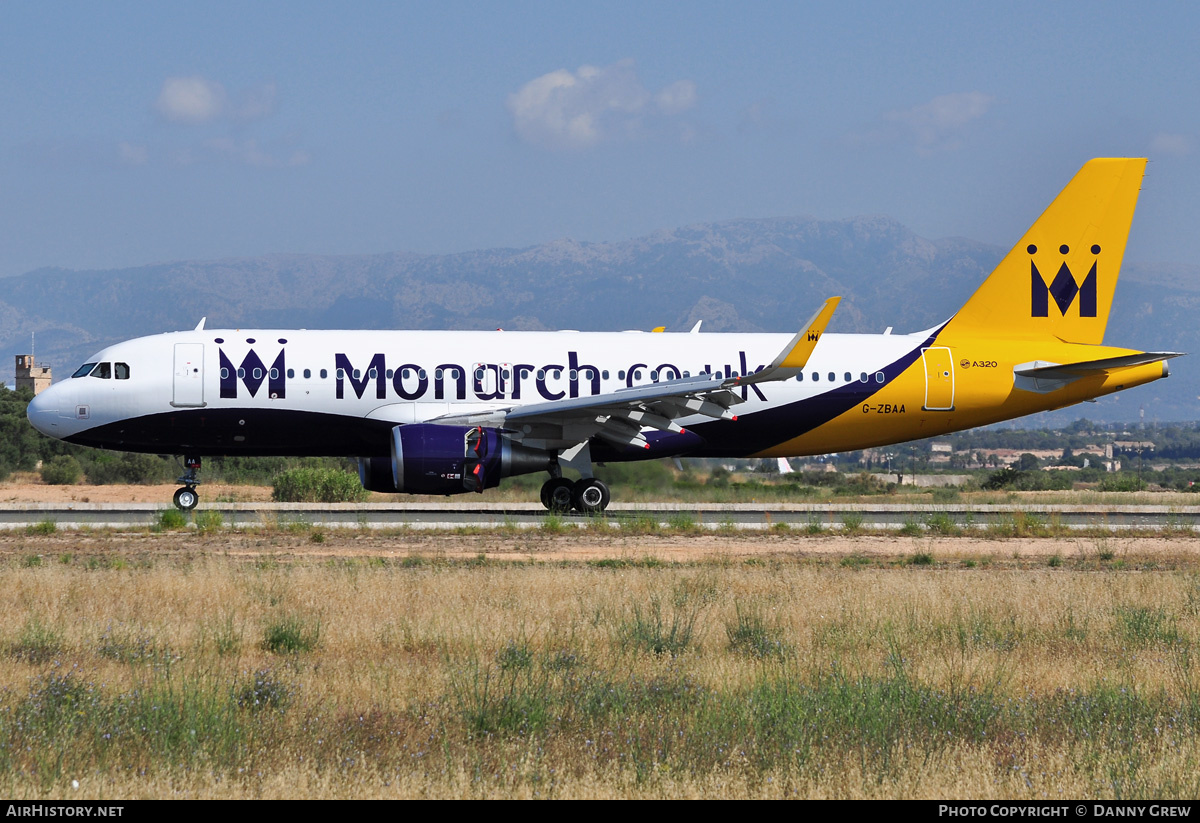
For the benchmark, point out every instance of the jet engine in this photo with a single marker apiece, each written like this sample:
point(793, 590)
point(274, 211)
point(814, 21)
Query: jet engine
point(427, 458)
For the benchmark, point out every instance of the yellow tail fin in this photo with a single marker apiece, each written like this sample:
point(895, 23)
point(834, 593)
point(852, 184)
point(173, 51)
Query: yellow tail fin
point(1059, 280)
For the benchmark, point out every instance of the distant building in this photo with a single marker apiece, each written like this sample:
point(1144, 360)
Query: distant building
point(29, 376)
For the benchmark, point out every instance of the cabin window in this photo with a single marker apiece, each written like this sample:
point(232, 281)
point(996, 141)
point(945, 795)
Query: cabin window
point(84, 370)
point(121, 371)
point(437, 374)
point(816, 377)
point(258, 373)
point(421, 374)
point(654, 375)
point(879, 377)
point(504, 374)
point(291, 373)
point(573, 374)
point(621, 374)
point(832, 377)
point(687, 373)
point(604, 374)
point(274, 374)
point(405, 374)
point(307, 374)
point(479, 375)
point(637, 375)
point(241, 373)
point(558, 374)
point(341, 374)
point(862, 378)
point(103, 371)
point(848, 377)
point(358, 374)
point(800, 377)
point(325, 373)
point(224, 373)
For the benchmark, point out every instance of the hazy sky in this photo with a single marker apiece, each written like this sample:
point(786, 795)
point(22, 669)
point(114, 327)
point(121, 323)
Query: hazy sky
point(133, 133)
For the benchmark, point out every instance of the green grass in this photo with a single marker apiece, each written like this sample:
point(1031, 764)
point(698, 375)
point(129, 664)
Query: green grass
point(852, 523)
point(42, 527)
point(291, 634)
point(941, 524)
point(752, 635)
point(37, 643)
point(170, 520)
point(208, 522)
point(651, 628)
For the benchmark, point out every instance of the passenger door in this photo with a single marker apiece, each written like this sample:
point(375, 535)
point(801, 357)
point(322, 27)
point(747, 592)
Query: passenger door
point(189, 375)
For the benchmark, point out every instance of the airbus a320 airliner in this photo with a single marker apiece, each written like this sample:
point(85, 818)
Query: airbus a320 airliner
point(449, 412)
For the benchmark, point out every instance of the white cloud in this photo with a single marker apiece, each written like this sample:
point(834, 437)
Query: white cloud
point(191, 100)
point(939, 124)
point(677, 97)
point(1171, 145)
point(195, 100)
point(565, 110)
point(248, 152)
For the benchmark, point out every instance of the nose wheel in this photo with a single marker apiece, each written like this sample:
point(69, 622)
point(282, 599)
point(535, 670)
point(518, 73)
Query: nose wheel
point(185, 499)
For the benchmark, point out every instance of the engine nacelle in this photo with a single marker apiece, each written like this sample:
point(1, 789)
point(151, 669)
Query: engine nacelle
point(427, 458)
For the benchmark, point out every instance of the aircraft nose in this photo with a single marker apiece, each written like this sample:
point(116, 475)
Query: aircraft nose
point(43, 412)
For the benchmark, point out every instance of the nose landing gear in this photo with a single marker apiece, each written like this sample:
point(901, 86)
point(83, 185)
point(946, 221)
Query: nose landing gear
point(186, 498)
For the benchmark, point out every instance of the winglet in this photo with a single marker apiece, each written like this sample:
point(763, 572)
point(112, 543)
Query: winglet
point(200, 325)
point(796, 353)
point(802, 345)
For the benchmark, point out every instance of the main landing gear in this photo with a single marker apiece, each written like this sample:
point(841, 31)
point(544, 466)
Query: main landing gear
point(186, 498)
point(587, 495)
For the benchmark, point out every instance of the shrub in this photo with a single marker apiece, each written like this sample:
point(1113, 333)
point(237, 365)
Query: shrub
point(170, 520)
point(63, 470)
point(317, 485)
point(208, 521)
point(750, 635)
point(291, 635)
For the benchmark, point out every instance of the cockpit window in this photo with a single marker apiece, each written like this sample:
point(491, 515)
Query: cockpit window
point(102, 370)
point(84, 370)
point(121, 371)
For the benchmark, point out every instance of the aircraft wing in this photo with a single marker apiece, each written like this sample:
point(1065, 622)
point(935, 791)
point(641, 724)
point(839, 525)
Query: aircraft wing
point(619, 416)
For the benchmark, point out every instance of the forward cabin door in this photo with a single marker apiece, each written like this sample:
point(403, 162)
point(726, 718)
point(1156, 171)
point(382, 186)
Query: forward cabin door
point(189, 375)
point(939, 379)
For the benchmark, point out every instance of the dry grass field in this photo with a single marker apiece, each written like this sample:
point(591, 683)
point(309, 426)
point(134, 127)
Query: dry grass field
point(304, 663)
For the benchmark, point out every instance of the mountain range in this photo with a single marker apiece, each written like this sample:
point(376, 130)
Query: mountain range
point(738, 275)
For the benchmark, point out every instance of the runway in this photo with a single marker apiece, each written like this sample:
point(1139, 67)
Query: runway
point(711, 516)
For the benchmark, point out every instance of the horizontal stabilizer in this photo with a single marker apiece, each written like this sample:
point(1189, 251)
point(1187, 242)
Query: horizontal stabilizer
point(1070, 371)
